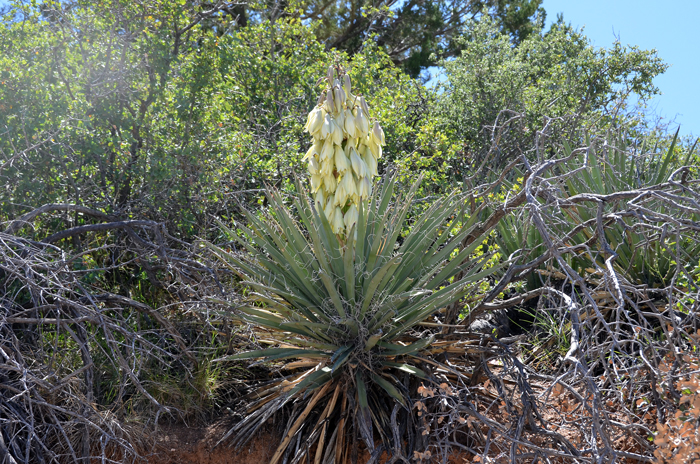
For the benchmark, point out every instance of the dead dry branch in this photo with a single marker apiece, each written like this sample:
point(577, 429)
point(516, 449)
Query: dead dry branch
point(80, 362)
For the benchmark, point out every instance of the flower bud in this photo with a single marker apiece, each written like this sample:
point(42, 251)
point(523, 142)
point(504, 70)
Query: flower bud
point(337, 135)
point(329, 76)
point(378, 133)
point(329, 105)
point(326, 127)
point(364, 105)
point(346, 85)
point(339, 97)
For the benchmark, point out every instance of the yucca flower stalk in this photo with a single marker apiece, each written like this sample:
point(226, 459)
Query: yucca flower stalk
point(342, 160)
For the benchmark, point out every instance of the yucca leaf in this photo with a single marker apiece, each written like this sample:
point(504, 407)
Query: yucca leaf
point(262, 314)
point(333, 293)
point(389, 388)
point(372, 340)
point(406, 368)
point(312, 328)
point(341, 356)
point(287, 264)
point(299, 302)
point(393, 349)
point(271, 354)
point(372, 285)
point(377, 238)
point(661, 173)
point(333, 248)
point(349, 267)
point(455, 265)
point(314, 380)
point(294, 235)
point(396, 226)
point(360, 247)
point(361, 390)
point(392, 308)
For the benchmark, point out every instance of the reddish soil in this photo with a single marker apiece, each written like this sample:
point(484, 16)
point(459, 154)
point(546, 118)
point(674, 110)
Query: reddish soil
point(179, 444)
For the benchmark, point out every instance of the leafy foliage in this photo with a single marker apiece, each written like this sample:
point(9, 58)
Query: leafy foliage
point(550, 77)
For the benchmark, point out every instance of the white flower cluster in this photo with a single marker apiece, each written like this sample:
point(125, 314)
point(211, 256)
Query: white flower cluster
point(343, 157)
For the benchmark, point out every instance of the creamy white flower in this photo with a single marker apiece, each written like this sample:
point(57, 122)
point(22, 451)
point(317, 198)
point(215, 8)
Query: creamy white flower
point(341, 195)
point(362, 122)
point(337, 133)
point(347, 85)
point(351, 216)
point(314, 166)
point(364, 188)
point(358, 165)
point(371, 163)
point(376, 149)
point(337, 223)
point(341, 161)
point(330, 183)
point(340, 120)
point(348, 183)
point(320, 198)
point(327, 150)
point(327, 167)
point(315, 182)
point(315, 121)
point(329, 209)
point(350, 124)
point(311, 152)
point(343, 158)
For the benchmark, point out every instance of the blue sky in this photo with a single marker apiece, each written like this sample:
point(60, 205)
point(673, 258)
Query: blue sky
point(671, 27)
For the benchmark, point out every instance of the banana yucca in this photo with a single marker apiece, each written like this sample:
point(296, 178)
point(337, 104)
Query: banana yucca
point(342, 159)
point(346, 316)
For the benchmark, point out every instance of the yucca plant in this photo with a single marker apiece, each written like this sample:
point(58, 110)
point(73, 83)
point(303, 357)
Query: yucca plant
point(345, 316)
point(641, 260)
